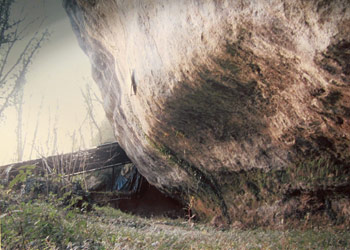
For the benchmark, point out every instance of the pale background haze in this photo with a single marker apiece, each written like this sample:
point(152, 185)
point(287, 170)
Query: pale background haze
point(60, 70)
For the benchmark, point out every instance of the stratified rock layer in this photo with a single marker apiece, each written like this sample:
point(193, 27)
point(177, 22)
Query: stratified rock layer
point(240, 108)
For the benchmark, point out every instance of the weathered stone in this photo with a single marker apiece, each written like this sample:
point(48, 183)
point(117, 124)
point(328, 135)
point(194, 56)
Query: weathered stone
point(226, 101)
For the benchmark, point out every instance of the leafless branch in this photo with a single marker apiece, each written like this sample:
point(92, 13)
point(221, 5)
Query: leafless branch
point(87, 95)
point(12, 75)
point(36, 127)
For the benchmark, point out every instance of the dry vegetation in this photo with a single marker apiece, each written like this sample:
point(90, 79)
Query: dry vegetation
point(65, 219)
point(52, 224)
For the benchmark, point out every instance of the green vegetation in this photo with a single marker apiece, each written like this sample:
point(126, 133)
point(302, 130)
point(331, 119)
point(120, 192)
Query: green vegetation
point(311, 192)
point(308, 176)
point(61, 222)
point(41, 225)
point(206, 186)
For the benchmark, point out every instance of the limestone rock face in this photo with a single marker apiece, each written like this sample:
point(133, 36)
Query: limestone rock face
point(240, 108)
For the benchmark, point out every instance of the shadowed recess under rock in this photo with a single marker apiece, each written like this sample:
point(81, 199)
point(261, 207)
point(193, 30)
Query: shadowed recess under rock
point(202, 91)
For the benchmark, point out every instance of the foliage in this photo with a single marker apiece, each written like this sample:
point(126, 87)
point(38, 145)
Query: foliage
point(41, 225)
point(56, 221)
point(24, 173)
point(36, 225)
point(303, 191)
point(32, 220)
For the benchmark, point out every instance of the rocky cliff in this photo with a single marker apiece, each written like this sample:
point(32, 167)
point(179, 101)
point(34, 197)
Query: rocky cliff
point(240, 108)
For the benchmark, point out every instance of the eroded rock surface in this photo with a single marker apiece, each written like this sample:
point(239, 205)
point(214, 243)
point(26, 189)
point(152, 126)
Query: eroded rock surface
point(241, 107)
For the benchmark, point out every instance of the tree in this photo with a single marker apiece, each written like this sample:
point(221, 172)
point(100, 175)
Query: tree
point(89, 98)
point(13, 72)
point(17, 51)
point(21, 142)
point(100, 132)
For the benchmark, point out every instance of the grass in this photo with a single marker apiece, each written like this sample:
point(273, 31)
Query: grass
point(301, 190)
point(43, 225)
point(53, 222)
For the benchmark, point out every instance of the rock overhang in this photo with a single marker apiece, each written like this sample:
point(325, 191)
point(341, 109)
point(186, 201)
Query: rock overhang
point(199, 91)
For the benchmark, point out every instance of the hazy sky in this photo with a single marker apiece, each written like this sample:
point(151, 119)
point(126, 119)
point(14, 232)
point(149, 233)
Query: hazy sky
point(58, 73)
